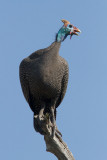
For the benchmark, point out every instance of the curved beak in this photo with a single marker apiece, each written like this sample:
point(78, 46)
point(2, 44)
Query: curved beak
point(75, 30)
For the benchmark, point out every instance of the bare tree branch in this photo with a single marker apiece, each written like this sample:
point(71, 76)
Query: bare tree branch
point(54, 144)
point(58, 148)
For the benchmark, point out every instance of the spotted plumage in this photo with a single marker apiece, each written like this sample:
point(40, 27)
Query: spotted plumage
point(44, 76)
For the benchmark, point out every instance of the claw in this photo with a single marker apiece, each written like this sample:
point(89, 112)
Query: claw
point(41, 113)
point(58, 132)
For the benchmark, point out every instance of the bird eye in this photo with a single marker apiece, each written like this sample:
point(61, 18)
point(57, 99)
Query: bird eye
point(70, 26)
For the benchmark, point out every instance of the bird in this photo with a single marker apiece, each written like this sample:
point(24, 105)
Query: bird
point(44, 76)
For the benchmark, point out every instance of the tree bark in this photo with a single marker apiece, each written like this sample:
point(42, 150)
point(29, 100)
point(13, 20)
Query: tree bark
point(58, 148)
point(54, 144)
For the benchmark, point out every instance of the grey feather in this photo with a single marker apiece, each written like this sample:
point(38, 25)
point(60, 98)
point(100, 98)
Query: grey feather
point(44, 78)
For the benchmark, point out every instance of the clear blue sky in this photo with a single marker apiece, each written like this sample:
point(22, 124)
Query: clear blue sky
point(26, 26)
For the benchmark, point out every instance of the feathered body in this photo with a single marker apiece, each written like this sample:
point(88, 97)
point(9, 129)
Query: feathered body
point(44, 78)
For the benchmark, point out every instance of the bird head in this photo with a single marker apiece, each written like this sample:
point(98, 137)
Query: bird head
point(65, 30)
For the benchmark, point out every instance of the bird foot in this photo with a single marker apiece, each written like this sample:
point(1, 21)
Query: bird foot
point(46, 124)
point(58, 132)
point(55, 131)
point(38, 125)
point(54, 127)
point(39, 122)
point(41, 115)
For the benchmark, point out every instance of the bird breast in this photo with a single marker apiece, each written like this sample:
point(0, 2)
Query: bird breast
point(46, 79)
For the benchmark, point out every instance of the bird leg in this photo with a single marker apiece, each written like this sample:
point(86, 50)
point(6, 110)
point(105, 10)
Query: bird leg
point(53, 121)
point(39, 121)
point(54, 127)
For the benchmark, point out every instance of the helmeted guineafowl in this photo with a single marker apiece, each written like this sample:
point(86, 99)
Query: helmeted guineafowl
point(44, 76)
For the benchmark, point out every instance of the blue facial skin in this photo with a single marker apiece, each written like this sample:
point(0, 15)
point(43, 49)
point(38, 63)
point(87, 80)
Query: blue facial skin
point(64, 32)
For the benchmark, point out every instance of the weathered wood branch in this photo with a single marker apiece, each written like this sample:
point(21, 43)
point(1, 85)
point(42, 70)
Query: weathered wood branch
point(54, 145)
point(58, 148)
